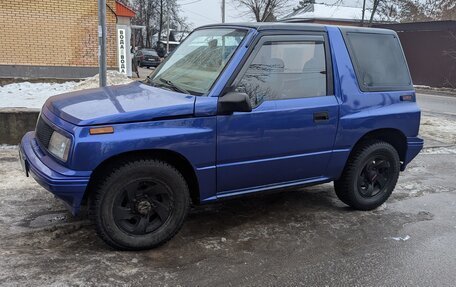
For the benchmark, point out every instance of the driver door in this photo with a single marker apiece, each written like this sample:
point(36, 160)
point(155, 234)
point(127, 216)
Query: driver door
point(288, 137)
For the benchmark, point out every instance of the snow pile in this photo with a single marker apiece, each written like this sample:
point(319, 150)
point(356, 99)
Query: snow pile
point(113, 78)
point(33, 95)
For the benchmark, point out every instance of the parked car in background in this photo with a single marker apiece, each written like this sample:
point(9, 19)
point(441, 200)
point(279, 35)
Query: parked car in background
point(147, 58)
point(234, 110)
point(172, 45)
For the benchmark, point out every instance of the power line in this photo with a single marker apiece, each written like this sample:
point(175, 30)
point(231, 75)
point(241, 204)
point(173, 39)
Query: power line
point(204, 16)
point(191, 2)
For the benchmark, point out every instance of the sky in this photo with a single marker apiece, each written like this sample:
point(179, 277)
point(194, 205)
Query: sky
point(203, 12)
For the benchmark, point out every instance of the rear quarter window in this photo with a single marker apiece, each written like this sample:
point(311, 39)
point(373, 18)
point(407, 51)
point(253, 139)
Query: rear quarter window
point(379, 62)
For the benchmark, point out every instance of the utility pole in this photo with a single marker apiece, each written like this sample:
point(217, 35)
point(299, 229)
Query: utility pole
point(223, 11)
point(364, 12)
point(167, 30)
point(102, 41)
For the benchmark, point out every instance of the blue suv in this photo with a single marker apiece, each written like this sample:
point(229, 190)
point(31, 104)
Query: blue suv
point(236, 109)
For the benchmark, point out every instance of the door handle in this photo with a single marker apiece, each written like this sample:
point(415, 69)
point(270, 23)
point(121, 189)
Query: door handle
point(321, 117)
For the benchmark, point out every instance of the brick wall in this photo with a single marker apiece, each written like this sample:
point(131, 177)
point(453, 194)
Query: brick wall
point(54, 33)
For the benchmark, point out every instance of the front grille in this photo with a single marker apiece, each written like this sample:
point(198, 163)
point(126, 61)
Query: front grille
point(43, 132)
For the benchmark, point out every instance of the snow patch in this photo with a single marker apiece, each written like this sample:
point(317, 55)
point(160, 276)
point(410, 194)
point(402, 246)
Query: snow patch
point(416, 189)
point(33, 95)
point(8, 147)
point(438, 129)
point(421, 87)
point(112, 77)
point(212, 244)
point(405, 238)
point(439, 150)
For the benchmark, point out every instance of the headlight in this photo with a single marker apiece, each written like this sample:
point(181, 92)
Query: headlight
point(59, 145)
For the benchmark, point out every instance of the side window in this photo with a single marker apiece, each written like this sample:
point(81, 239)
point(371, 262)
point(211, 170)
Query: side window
point(285, 70)
point(379, 62)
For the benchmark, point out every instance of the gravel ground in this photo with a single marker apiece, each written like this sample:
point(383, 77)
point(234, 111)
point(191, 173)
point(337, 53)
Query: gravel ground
point(300, 237)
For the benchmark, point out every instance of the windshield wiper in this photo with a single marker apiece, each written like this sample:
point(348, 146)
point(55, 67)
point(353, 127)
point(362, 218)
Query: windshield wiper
point(174, 86)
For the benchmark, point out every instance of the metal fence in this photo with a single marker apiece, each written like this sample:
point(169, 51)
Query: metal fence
point(430, 49)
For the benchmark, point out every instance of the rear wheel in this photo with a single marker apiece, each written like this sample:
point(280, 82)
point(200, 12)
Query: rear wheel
point(370, 176)
point(141, 205)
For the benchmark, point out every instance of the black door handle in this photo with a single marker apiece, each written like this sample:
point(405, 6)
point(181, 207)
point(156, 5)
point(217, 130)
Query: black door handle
point(321, 117)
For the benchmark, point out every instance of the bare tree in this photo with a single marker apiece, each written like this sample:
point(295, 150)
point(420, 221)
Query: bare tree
point(418, 10)
point(371, 10)
point(303, 4)
point(263, 10)
point(154, 15)
point(374, 10)
point(448, 10)
point(145, 16)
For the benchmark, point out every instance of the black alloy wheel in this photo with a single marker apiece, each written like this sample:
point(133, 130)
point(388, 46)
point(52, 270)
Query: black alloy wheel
point(141, 205)
point(375, 176)
point(369, 176)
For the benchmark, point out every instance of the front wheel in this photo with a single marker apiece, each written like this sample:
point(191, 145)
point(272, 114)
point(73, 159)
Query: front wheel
point(141, 205)
point(370, 176)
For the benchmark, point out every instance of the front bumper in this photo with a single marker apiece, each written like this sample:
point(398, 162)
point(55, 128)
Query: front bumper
point(68, 185)
point(414, 146)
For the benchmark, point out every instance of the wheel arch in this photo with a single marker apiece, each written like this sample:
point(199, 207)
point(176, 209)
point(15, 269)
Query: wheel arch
point(177, 160)
point(393, 136)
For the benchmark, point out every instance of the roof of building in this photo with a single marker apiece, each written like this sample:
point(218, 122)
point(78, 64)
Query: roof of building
point(123, 10)
point(330, 10)
point(170, 42)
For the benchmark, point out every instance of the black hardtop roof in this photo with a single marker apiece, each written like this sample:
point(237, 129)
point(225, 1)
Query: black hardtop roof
point(271, 26)
point(261, 26)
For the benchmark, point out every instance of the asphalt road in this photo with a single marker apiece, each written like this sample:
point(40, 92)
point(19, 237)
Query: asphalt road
point(294, 238)
point(437, 104)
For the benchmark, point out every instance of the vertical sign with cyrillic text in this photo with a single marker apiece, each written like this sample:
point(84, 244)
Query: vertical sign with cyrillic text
point(122, 51)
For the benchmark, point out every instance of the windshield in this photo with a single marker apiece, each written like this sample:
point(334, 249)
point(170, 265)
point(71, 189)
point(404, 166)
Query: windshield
point(195, 65)
point(149, 52)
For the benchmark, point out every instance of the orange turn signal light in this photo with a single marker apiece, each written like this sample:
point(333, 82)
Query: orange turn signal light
point(102, 130)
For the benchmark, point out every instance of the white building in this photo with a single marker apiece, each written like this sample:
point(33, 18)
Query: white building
point(337, 12)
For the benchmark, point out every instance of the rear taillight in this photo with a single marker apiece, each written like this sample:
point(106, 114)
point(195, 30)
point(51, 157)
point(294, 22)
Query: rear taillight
point(407, 98)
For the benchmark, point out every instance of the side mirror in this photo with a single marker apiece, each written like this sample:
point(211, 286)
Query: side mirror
point(234, 102)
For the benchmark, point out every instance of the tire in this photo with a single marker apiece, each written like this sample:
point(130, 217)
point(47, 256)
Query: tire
point(370, 175)
point(141, 205)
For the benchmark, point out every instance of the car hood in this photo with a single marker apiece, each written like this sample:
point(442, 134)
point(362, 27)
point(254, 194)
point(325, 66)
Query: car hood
point(120, 104)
